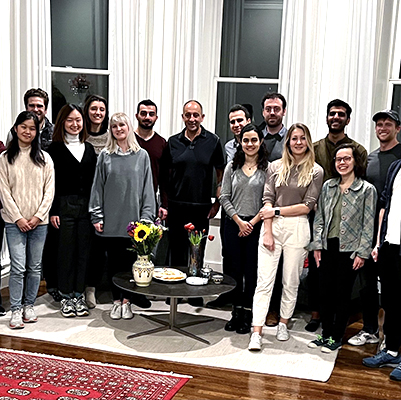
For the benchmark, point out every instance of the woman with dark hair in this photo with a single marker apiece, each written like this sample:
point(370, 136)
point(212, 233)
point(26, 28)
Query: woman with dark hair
point(96, 115)
point(74, 163)
point(292, 188)
point(343, 235)
point(27, 190)
point(241, 197)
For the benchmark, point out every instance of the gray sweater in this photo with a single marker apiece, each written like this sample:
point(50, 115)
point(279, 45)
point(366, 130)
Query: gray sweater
point(241, 194)
point(122, 192)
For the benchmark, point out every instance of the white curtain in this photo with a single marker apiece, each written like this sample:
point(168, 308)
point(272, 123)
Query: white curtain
point(332, 49)
point(168, 51)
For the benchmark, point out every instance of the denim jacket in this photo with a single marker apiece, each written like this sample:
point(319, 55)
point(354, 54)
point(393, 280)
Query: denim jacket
point(357, 217)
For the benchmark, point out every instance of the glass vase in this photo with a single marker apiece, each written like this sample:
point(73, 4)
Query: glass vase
point(194, 262)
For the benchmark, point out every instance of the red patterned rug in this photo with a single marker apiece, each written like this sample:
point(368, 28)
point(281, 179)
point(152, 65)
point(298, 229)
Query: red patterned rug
point(39, 377)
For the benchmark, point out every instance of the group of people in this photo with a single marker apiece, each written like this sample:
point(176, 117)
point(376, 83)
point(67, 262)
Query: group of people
point(285, 200)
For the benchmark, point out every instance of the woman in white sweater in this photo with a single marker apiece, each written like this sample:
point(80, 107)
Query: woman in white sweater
point(27, 190)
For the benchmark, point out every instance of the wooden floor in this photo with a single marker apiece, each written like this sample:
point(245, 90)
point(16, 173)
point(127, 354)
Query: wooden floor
point(350, 379)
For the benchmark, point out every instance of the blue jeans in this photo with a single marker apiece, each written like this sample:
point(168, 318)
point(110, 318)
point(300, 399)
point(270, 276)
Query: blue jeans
point(26, 258)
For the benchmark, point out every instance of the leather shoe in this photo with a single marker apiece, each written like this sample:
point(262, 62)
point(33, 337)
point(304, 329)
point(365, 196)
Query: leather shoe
point(312, 325)
point(236, 318)
point(272, 318)
point(245, 324)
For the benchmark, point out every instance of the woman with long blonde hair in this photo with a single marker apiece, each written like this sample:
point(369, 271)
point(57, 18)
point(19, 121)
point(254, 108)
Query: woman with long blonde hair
point(292, 188)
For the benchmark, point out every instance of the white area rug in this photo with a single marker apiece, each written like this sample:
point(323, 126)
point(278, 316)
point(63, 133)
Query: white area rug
point(227, 349)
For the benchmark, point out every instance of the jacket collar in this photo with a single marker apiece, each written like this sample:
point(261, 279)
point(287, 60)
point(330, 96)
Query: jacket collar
point(356, 185)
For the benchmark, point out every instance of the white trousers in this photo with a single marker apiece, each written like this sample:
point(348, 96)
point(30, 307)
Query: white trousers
point(291, 236)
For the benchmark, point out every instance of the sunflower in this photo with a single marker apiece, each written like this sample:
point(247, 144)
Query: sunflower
point(141, 232)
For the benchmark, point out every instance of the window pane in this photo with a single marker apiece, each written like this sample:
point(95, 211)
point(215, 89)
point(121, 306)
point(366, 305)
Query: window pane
point(396, 101)
point(229, 94)
point(251, 38)
point(79, 33)
point(72, 88)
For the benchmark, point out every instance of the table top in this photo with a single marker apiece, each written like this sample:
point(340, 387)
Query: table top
point(176, 289)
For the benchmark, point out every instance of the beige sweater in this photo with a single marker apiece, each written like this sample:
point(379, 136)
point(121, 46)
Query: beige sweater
point(26, 190)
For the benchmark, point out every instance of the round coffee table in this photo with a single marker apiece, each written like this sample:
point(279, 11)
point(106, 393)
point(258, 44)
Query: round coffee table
point(124, 280)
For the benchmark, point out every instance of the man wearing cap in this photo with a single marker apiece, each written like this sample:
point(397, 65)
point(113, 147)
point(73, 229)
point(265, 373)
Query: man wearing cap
point(387, 126)
point(387, 253)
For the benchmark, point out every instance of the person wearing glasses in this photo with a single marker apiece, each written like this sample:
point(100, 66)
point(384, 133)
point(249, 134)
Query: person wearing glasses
point(342, 241)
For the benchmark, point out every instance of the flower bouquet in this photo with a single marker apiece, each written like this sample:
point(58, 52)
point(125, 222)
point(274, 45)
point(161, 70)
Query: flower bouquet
point(144, 235)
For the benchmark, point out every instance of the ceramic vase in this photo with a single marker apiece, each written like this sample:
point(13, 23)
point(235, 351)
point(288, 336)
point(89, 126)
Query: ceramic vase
point(142, 270)
point(194, 263)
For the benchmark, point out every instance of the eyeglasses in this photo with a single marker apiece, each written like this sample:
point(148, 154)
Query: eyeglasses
point(346, 159)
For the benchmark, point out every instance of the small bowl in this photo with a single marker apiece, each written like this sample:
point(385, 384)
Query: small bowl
point(217, 279)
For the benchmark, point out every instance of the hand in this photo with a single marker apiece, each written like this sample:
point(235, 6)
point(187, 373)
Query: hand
point(268, 241)
point(266, 212)
point(55, 221)
point(245, 228)
point(318, 256)
point(375, 253)
point(23, 225)
point(98, 226)
point(358, 263)
point(214, 210)
point(163, 213)
point(34, 222)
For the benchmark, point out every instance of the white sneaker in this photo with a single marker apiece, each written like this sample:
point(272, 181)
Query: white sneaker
point(126, 312)
point(28, 314)
point(362, 338)
point(116, 311)
point(16, 320)
point(90, 297)
point(282, 332)
point(255, 344)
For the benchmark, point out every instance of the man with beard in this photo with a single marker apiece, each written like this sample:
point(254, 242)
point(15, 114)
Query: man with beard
point(151, 141)
point(274, 107)
point(337, 118)
point(37, 100)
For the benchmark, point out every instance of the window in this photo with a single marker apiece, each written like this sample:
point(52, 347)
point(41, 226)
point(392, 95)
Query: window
point(250, 55)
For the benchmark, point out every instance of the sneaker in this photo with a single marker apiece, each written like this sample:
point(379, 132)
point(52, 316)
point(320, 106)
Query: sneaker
point(318, 342)
point(81, 308)
point(331, 345)
point(115, 312)
point(90, 297)
point(396, 373)
point(126, 312)
point(363, 337)
point(282, 332)
point(68, 308)
point(2, 311)
point(28, 314)
point(16, 320)
point(255, 344)
point(382, 359)
point(57, 297)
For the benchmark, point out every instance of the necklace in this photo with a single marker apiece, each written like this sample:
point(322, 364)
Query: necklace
point(250, 167)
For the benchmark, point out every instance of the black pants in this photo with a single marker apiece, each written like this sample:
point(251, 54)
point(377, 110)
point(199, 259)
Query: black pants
point(178, 216)
point(119, 259)
point(2, 225)
point(97, 262)
point(336, 281)
point(242, 253)
point(49, 258)
point(313, 273)
point(75, 238)
point(390, 277)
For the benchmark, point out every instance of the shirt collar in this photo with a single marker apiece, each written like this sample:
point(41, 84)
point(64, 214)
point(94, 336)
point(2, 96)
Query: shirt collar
point(282, 131)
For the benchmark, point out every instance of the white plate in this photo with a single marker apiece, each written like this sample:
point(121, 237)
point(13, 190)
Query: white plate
point(169, 275)
point(197, 280)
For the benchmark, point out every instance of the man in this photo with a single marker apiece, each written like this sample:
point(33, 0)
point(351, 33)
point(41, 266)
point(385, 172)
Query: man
point(238, 117)
point(387, 126)
point(149, 140)
point(274, 107)
point(338, 117)
point(37, 100)
point(189, 160)
point(387, 253)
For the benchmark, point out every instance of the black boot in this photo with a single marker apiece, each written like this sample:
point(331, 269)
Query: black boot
point(235, 320)
point(245, 325)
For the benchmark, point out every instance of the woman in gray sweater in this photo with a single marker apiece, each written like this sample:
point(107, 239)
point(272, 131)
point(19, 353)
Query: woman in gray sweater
point(241, 197)
point(122, 191)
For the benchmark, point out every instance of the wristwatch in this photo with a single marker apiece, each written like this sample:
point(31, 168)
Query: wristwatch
point(277, 212)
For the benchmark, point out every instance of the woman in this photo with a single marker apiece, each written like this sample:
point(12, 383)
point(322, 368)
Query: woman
point(96, 117)
point(292, 187)
point(74, 163)
point(343, 234)
point(241, 197)
point(27, 190)
point(122, 191)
